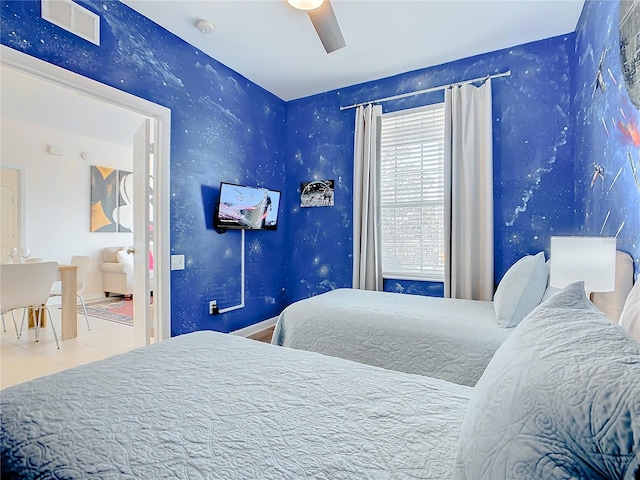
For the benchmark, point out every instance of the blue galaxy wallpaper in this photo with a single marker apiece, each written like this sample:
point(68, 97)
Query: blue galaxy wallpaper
point(566, 154)
point(607, 167)
point(533, 160)
point(223, 129)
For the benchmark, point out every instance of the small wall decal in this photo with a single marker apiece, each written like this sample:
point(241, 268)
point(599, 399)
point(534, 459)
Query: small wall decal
point(317, 193)
point(635, 170)
point(597, 173)
point(599, 81)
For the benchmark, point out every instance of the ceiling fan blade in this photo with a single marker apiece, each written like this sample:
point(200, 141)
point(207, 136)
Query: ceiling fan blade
point(326, 24)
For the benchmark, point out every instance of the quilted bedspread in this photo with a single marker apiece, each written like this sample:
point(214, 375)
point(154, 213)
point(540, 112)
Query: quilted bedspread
point(213, 406)
point(559, 400)
point(449, 339)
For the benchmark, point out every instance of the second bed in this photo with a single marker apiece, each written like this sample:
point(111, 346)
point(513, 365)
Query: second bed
point(452, 340)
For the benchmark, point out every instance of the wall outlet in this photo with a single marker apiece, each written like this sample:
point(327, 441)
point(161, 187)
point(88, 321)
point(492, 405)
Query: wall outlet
point(177, 262)
point(213, 308)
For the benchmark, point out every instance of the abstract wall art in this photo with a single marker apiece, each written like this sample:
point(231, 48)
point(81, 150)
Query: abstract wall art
point(111, 200)
point(124, 207)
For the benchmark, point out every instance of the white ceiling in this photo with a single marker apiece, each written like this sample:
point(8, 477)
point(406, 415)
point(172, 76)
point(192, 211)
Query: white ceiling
point(33, 100)
point(276, 47)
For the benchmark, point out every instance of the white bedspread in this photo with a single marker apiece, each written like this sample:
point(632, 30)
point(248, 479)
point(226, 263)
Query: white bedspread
point(443, 338)
point(213, 406)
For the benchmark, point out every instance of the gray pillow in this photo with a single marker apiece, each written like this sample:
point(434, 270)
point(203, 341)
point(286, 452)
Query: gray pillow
point(560, 399)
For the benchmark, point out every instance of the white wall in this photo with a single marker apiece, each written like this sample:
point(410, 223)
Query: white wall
point(57, 192)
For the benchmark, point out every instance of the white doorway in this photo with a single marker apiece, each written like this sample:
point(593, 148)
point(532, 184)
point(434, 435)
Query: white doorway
point(159, 116)
point(9, 214)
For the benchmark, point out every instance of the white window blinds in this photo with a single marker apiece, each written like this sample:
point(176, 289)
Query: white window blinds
point(412, 193)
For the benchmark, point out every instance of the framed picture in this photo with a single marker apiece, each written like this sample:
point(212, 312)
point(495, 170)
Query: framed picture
point(111, 200)
point(318, 193)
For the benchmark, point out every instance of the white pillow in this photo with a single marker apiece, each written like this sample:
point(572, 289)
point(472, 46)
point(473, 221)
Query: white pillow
point(520, 290)
point(122, 256)
point(550, 292)
point(630, 316)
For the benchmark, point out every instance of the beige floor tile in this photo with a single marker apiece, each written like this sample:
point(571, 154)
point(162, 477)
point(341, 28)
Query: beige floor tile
point(7, 346)
point(24, 365)
point(24, 359)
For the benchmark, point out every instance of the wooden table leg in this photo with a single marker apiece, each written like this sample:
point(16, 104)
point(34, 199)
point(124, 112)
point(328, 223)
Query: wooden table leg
point(69, 315)
point(32, 318)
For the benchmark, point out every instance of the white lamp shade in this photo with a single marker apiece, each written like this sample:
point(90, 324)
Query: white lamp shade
point(305, 4)
point(588, 259)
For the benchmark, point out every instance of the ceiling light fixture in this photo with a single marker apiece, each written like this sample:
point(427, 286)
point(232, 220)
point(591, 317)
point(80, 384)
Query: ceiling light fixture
point(305, 4)
point(205, 26)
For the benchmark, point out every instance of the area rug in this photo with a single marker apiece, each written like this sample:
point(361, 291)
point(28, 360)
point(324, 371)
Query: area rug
point(118, 309)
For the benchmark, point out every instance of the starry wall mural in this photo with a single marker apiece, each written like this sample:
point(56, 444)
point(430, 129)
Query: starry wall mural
point(607, 175)
point(533, 160)
point(565, 152)
point(223, 128)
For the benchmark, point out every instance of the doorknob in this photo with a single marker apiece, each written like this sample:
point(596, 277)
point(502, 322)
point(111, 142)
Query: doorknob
point(131, 250)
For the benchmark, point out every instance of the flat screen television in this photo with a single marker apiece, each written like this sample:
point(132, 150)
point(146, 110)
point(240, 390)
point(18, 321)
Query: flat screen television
point(249, 208)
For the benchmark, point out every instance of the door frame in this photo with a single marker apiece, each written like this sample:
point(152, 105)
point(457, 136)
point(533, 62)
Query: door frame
point(19, 205)
point(162, 148)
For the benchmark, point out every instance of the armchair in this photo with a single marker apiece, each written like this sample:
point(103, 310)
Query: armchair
point(117, 271)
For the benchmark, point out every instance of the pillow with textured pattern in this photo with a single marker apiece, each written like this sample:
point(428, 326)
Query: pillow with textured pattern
point(559, 399)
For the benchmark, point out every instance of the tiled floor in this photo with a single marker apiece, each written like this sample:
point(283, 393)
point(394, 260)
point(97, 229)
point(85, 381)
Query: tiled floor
point(23, 359)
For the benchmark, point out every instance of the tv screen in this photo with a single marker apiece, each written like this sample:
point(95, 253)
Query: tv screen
point(242, 207)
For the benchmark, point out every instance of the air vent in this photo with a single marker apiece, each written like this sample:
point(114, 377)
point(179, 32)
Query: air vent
point(73, 18)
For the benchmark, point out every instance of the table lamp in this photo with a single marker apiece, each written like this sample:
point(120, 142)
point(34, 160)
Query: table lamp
point(588, 259)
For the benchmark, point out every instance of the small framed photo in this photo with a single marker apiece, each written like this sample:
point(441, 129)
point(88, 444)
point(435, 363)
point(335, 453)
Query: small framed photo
point(318, 193)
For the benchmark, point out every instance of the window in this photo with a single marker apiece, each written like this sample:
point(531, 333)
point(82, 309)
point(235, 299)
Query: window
point(412, 194)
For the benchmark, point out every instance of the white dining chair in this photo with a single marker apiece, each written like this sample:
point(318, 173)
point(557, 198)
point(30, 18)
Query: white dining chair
point(27, 286)
point(83, 263)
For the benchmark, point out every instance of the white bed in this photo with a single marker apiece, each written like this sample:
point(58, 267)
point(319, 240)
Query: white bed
point(560, 399)
point(450, 339)
point(213, 406)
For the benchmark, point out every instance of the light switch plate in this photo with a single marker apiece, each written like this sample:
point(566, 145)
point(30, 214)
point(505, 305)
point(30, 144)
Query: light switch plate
point(177, 262)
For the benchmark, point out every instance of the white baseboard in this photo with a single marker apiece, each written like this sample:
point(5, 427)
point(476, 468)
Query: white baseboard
point(91, 297)
point(255, 328)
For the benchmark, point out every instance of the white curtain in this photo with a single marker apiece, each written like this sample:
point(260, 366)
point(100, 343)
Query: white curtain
point(367, 268)
point(469, 193)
